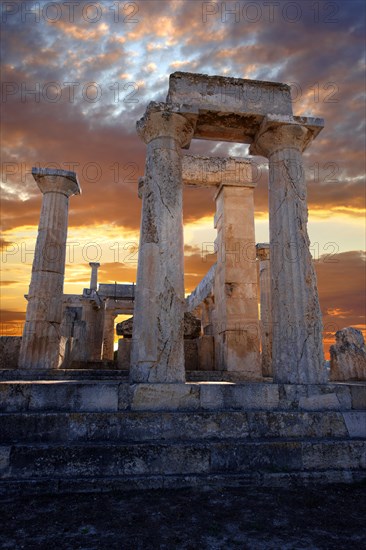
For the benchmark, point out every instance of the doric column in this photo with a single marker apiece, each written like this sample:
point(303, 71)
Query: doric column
point(94, 275)
point(41, 337)
point(297, 351)
point(265, 307)
point(157, 347)
point(236, 303)
point(108, 334)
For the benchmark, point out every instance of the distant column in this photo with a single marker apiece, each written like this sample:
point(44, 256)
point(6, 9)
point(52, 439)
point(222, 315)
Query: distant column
point(236, 302)
point(41, 337)
point(265, 305)
point(94, 275)
point(157, 348)
point(297, 350)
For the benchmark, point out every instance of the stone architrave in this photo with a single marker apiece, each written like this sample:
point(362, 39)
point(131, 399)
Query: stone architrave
point(94, 275)
point(265, 307)
point(297, 350)
point(157, 349)
point(237, 334)
point(348, 356)
point(41, 336)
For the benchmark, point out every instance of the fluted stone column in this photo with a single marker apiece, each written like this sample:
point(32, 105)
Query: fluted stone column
point(157, 348)
point(297, 351)
point(265, 307)
point(41, 336)
point(236, 302)
point(108, 334)
point(94, 275)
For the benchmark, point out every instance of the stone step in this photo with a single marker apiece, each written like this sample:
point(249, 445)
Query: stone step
point(71, 485)
point(131, 426)
point(63, 374)
point(118, 395)
point(189, 458)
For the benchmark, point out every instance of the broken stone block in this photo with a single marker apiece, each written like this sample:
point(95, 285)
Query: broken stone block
point(192, 326)
point(348, 356)
point(125, 328)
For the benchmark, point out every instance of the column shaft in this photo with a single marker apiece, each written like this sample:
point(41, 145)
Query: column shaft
point(108, 336)
point(297, 353)
point(41, 336)
point(157, 347)
point(236, 303)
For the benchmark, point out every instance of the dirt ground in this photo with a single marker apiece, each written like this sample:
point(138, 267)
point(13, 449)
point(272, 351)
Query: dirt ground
point(328, 517)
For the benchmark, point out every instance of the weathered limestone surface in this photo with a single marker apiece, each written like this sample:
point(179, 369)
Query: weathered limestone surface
point(206, 352)
point(227, 109)
point(203, 290)
point(348, 355)
point(157, 348)
point(297, 353)
point(198, 171)
point(192, 326)
point(124, 353)
point(108, 332)
point(230, 94)
point(40, 346)
point(9, 351)
point(265, 307)
point(236, 304)
point(125, 328)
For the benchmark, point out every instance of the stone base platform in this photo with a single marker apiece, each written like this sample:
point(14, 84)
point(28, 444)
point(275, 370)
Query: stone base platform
point(64, 435)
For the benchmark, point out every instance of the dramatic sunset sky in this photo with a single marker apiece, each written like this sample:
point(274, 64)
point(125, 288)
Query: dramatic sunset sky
point(77, 75)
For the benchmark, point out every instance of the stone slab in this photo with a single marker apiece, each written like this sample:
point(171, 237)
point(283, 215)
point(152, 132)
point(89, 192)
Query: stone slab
point(227, 94)
point(356, 423)
point(164, 397)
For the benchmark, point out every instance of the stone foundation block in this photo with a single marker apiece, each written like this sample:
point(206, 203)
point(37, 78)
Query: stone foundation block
point(156, 397)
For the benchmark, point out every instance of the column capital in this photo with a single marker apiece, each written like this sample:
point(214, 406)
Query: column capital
point(50, 180)
point(262, 251)
point(94, 264)
point(160, 120)
point(276, 133)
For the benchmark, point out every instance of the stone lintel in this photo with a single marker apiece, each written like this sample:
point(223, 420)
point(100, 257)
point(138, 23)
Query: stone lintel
point(117, 291)
point(273, 125)
point(203, 290)
point(50, 180)
point(199, 171)
point(229, 94)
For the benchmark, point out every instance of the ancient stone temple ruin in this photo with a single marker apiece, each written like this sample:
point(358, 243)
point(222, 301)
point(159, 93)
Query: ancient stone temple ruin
point(226, 385)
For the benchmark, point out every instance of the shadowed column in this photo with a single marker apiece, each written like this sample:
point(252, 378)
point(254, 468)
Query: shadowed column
point(265, 304)
point(41, 336)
